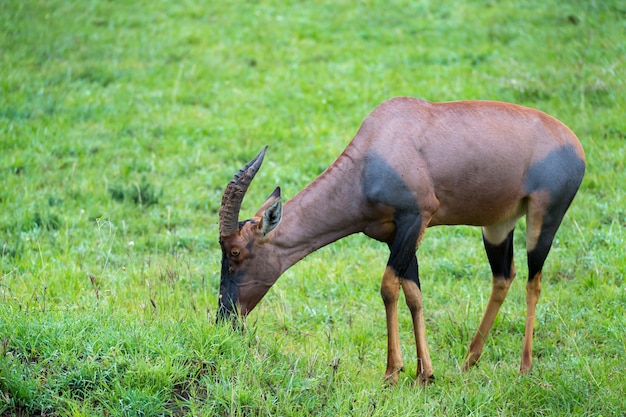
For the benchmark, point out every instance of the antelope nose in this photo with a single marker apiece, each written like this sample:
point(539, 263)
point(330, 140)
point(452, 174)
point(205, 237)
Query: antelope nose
point(225, 311)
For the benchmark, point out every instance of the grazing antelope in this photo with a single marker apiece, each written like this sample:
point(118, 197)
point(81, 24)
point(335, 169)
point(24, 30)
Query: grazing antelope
point(414, 164)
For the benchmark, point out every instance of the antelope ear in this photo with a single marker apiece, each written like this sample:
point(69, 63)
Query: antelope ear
point(271, 212)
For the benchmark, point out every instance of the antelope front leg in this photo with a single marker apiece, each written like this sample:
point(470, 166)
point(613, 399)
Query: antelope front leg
point(390, 290)
point(413, 297)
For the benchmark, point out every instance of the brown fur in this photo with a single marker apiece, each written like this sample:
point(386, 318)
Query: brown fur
point(415, 164)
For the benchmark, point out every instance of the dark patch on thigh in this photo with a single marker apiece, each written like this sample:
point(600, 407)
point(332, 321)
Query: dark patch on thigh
point(500, 256)
point(536, 259)
point(538, 255)
point(560, 173)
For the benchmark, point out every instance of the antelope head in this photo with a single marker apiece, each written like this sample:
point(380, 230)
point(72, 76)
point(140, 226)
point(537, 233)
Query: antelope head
point(249, 264)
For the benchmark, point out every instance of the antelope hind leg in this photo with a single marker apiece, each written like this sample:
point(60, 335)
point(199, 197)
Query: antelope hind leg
point(500, 257)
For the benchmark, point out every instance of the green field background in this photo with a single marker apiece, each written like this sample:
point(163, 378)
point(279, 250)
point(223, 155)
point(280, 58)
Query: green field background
point(121, 123)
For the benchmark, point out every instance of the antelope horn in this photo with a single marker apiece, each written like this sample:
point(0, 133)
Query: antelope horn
point(234, 193)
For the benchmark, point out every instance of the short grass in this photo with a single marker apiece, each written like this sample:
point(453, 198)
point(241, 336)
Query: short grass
point(120, 124)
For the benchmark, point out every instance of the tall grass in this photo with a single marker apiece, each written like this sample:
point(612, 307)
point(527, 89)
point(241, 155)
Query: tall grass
point(120, 124)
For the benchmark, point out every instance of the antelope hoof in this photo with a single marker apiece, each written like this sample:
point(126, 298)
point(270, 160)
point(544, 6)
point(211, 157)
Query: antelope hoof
point(470, 360)
point(424, 379)
point(525, 368)
point(391, 377)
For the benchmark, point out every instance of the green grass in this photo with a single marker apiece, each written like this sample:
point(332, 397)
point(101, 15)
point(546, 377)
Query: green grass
point(121, 123)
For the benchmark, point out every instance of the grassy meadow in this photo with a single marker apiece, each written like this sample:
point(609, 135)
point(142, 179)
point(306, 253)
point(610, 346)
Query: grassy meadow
point(122, 122)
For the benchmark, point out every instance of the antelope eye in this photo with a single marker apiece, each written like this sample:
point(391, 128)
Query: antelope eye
point(234, 253)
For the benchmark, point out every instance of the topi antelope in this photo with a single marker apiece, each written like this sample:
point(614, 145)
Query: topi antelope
point(414, 164)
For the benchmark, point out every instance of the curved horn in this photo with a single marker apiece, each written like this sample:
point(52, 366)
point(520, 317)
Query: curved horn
point(234, 193)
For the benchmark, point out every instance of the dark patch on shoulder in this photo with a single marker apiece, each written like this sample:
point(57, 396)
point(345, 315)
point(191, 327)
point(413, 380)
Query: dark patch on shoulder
point(560, 173)
point(383, 185)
